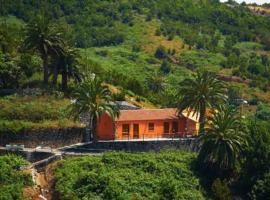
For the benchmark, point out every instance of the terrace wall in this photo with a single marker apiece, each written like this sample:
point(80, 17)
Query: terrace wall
point(46, 137)
point(187, 144)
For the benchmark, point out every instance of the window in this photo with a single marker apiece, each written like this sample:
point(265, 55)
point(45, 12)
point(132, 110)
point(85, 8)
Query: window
point(166, 127)
point(151, 127)
point(125, 129)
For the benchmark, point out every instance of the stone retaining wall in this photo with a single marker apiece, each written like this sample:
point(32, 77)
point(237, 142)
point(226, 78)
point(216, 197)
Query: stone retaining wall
point(189, 144)
point(54, 138)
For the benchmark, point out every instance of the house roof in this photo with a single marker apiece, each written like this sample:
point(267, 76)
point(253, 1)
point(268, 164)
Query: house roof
point(123, 105)
point(152, 114)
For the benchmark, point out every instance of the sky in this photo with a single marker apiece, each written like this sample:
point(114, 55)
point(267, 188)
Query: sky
point(252, 1)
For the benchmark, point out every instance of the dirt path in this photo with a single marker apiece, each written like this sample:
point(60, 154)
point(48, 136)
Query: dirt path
point(44, 185)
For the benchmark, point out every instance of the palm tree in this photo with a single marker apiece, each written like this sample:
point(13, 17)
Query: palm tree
point(156, 82)
point(199, 93)
point(43, 37)
point(67, 65)
point(224, 141)
point(94, 98)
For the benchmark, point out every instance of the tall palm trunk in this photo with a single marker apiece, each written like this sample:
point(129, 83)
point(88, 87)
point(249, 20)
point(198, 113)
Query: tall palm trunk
point(64, 80)
point(92, 127)
point(45, 69)
point(202, 120)
point(55, 75)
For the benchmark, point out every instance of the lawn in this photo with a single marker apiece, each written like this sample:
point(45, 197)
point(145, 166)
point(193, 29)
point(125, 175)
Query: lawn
point(124, 176)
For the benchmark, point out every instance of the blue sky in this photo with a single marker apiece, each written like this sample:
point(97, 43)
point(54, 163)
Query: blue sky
point(252, 1)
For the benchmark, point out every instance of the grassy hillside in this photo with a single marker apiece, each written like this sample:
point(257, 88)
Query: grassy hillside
point(115, 176)
point(18, 113)
point(134, 45)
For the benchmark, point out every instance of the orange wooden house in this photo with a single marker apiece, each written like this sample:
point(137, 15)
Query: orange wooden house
point(147, 123)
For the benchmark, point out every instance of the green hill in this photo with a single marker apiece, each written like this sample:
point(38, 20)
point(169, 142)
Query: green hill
point(135, 44)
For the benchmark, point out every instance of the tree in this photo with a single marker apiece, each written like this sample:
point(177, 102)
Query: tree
point(165, 67)
point(224, 141)
point(199, 93)
point(261, 189)
point(10, 71)
point(161, 52)
point(43, 37)
point(156, 83)
point(67, 65)
point(257, 156)
point(94, 98)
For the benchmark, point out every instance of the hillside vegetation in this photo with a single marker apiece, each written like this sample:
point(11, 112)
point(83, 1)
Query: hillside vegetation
point(128, 42)
point(19, 113)
point(12, 180)
point(124, 176)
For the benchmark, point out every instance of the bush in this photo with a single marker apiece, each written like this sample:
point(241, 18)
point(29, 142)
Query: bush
point(158, 32)
point(261, 189)
point(136, 48)
point(221, 190)
point(254, 100)
point(161, 52)
point(165, 67)
point(12, 180)
point(127, 176)
point(102, 53)
point(263, 112)
point(255, 169)
point(119, 96)
point(135, 86)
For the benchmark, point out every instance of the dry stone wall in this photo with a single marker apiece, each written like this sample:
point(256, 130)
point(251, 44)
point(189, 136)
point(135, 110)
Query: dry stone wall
point(54, 138)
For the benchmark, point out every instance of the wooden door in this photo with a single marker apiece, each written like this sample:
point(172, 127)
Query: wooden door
point(135, 131)
point(166, 129)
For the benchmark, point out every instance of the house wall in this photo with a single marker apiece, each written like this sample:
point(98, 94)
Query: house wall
point(105, 128)
point(109, 130)
point(158, 131)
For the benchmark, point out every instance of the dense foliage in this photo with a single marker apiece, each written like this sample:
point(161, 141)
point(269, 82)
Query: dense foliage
point(115, 176)
point(94, 99)
point(12, 180)
point(134, 39)
point(224, 141)
point(204, 91)
point(256, 166)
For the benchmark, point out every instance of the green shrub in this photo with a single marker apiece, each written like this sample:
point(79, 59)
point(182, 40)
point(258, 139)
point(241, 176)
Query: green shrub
point(261, 189)
point(120, 96)
point(12, 180)
point(128, 176)
point(161, 52)
point(165, 67)
point(263, 112)
point(220, 190)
